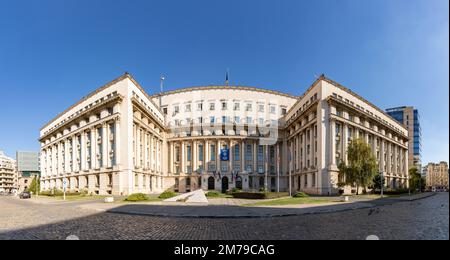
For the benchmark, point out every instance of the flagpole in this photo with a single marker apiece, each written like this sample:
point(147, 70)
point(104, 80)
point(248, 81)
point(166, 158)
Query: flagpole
point(278, 168)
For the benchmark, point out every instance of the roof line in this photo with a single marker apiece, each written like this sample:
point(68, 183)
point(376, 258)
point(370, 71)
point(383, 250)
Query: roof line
point(114, 81)
point(323, 77)
point(212, 87)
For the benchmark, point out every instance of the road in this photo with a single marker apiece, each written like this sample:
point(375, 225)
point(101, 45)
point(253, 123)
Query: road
point(422, 219)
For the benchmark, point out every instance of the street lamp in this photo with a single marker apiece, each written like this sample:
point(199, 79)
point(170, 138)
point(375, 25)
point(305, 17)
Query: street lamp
point(382, 184)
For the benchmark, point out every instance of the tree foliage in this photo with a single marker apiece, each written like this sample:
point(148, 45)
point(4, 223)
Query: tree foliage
point(34, 186)
point(362, 165)
point(415, 179)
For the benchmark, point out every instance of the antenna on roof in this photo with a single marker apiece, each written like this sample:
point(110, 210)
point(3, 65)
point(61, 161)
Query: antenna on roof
point(226, 77)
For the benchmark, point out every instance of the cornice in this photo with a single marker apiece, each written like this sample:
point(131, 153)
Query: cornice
point(126, 75)
point(219, 87)
point(117, 98)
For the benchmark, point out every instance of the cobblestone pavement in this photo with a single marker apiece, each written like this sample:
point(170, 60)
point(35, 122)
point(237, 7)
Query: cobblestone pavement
point(422, 219)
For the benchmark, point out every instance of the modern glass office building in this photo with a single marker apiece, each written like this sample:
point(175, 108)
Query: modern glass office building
point(410, 117)
point(27, 167)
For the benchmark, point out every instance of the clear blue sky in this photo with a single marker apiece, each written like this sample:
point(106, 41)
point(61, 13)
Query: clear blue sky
point(393, 52)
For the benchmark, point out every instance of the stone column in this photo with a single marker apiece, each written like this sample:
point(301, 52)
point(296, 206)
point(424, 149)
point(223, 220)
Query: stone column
point(255, 156)
point(66, 156)
point(218, 166)
point(230, 156)
point(153, 153)
point(74, 154)
point(194, 156)
point(333, 142)
point(117, 141)
point(138, 146)
point(296, 145)
point(171, 154)
point(242, 150)
point(345, 142)
point(305, 154)
point(206, 159)
point(382, 162)
point(158, 155)
point(105, 140)
point(183, 157)
point(83, 151)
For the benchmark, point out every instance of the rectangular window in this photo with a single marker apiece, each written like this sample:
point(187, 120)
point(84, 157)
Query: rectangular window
point(200, 152)
point(249, 120)
point(200, 106)
point(260, 153)
point(237, 154)
point(248, 152)
point(260, 108)
point(248, 107)
point(224, 105)
point(189, 153)
point(212, 120)
point(212, 106)
point(213, 152)
point(237, 106)
point(237, 120)
point(188, 108)
point(177, 154)
point(273, 109)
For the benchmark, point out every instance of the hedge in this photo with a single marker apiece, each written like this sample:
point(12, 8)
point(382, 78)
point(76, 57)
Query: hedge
point(137, 197)
point(300, 195)
point(167, 194)
point(212, 194)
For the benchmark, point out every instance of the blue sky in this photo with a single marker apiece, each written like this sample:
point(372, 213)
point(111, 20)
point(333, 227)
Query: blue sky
point(393, 52)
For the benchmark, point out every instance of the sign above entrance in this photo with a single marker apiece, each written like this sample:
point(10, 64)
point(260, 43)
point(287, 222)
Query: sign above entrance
point(225, 154)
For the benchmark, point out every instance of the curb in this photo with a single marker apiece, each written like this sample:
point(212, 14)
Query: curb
point(362, 205)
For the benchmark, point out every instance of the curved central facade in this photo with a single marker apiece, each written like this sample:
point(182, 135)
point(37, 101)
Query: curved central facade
point(120, 140)
point(222, 137)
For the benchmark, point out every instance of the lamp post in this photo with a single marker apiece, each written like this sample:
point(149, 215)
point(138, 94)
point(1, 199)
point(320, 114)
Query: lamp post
point(382, 184)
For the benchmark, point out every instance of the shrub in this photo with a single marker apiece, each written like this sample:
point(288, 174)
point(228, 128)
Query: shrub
point(137, 197)
point(390, 191)
point(212, 194)
point(249, 195)
point(167, 194)
point(300, 195)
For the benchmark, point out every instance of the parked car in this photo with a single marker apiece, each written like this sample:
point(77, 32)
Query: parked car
point(25, 195)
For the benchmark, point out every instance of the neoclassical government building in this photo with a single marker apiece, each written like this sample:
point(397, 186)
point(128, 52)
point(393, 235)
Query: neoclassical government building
point(121, 140)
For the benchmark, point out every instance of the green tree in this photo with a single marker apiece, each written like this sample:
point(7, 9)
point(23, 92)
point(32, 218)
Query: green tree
point(415, 179)
point(361, 168)
point(34, 186)
point(378, 182)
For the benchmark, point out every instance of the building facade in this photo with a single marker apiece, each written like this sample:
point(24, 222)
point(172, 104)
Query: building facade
point(410, 117)
point(118, 141)
point(27, 167)
point(437, 175)
point(8, 174)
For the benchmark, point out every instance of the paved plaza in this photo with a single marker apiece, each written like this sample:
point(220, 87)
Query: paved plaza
point(426, 218)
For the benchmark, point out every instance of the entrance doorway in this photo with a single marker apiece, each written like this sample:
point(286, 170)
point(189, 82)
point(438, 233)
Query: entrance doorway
point(211, 183)
point(224, 184)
